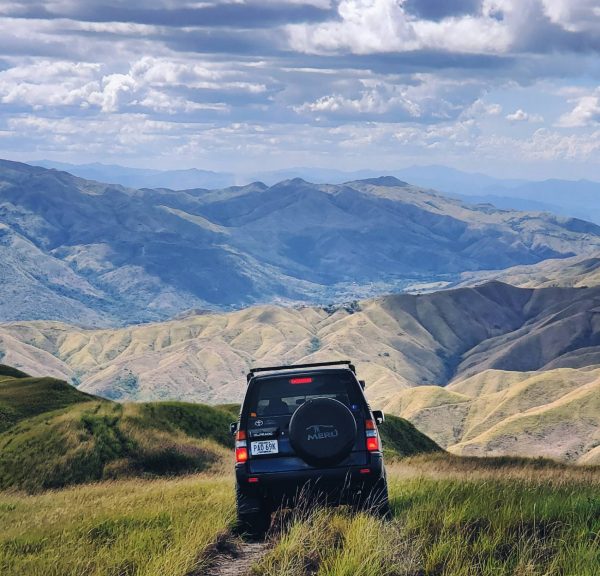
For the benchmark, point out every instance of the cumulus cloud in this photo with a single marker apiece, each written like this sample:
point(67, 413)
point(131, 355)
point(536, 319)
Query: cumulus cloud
point(245, 80)
point(418, 97)
point(149, 83)
point(585, 113)
point(522, 116)
point(486, 26)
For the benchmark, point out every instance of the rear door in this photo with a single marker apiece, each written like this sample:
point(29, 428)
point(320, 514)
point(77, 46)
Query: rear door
point(272, 400)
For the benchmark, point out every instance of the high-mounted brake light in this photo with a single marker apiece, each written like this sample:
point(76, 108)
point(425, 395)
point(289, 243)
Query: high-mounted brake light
point(301, 380)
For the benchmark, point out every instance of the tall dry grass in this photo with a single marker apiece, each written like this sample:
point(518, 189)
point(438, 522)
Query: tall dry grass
point(154, 528)
point(456, 517)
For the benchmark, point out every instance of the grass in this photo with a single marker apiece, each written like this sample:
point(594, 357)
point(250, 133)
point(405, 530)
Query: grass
point(22, 396)
point(52, 435)
point(400, 438)
point(100, 440)
point(456, 517)
point(453, 517)
point(120, 528)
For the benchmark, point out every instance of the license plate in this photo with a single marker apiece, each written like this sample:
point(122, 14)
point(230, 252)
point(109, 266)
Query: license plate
point(264, 447)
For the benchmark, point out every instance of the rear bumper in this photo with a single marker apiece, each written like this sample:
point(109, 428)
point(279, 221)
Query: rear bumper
point(342, 485)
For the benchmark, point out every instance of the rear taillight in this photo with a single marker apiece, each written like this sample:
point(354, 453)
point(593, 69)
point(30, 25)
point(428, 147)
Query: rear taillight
point(372, 436)
point(373, 444)
point(241, 450)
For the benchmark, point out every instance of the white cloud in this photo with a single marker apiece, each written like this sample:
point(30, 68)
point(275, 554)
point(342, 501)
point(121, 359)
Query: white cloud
point(574, 15)
point(371, 26)
point(398, 98)
point(162, 102)
point(480, 108)
point(585, 113)
point(522, 116)
point(149, 82)
point(366, 26)
point(377, 98)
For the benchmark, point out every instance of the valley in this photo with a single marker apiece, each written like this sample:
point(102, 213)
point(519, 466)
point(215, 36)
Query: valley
point(162, 295)
point(104, 255)
point(488, 370)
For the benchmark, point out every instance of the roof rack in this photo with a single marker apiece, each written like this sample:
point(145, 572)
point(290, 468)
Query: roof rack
point(253, 371)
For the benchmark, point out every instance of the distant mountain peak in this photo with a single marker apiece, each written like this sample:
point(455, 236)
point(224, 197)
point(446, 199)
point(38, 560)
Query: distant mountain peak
point(390, 181)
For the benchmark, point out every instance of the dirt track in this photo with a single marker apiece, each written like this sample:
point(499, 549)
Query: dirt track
point(234, 557)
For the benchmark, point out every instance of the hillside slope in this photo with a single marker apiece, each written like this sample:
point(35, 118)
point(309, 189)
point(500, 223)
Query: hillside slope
point(575, 272)
point(413, 351)
point(97, 254)
point(52, 435)
point(56, 436)
point(398, 341)
point(551, 413)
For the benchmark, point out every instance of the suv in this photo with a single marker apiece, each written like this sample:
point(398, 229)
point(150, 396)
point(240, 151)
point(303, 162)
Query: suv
point(306, 429)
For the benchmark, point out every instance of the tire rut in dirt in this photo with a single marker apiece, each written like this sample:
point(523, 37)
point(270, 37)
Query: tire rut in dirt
point(233, 556)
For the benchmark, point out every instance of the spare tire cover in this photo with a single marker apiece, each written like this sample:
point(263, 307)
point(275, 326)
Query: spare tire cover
point(322, 431)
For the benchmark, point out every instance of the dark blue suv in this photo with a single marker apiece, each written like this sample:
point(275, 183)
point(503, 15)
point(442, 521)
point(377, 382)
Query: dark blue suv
point(306, 430)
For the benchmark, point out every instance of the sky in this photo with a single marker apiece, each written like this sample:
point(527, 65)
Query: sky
point(506, 87)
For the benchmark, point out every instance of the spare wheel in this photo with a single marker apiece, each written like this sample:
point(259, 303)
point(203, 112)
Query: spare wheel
point(322, 431)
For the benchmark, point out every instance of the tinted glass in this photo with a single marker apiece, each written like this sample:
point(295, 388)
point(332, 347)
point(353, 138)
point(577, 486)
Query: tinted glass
point(278, 396)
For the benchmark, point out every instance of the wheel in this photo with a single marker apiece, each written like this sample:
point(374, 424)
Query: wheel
point(377, 501)
point(253, 515)
point(322, 431)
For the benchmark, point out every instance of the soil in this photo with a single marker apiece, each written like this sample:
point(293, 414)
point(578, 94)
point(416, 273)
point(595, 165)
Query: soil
point(232, 556)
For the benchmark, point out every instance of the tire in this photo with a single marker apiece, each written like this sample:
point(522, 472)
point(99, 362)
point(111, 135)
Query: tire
point(322, 432)
point(253, 515)
point(377, 501)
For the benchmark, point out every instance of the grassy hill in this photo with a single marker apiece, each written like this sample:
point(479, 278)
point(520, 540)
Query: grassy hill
point(552, 413)
point(55, 436)
point(412, 350)
point(22, 396)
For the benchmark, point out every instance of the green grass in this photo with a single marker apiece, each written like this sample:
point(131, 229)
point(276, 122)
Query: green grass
point(102, 440)
point(22, 396)
point(455, 518)
point(154, 528)
point(400, 438)
point(52, 435)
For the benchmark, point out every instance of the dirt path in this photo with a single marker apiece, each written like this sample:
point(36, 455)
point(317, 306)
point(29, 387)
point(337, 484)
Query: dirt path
point(234, 557)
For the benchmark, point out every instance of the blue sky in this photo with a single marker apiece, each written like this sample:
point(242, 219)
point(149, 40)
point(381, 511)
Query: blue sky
point(506, 87)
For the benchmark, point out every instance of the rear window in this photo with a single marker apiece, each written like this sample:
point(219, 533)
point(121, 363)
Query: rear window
point(283, 394)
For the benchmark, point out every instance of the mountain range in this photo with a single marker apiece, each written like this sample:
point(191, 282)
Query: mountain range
point(98, 254)
point(575, 198)
point(492, 369)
